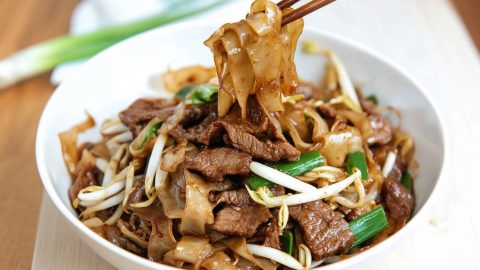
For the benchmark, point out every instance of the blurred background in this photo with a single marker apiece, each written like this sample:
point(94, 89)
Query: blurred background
point(27, 22)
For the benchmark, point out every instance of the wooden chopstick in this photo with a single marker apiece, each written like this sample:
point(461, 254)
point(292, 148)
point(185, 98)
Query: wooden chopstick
point(301, 11)
point(286, 3)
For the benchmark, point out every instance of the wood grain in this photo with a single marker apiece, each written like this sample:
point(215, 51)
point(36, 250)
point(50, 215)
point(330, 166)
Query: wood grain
point(470, 13)
point(23, 22)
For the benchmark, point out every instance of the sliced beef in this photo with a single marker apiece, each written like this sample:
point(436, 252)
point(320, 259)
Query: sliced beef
point(272, 234)
point(382, 130)
point(265, 150)
point(368, 106)
point(237, 197)
point(137, 192)
point(220, 186)
point(216, 163)
point(327, 111)
point(137, 115)
point(85, 178)
point(277, 190)
point(325, 232)
point(398, 200)
point(241, 221)
point(216, 236)
point(114, 235)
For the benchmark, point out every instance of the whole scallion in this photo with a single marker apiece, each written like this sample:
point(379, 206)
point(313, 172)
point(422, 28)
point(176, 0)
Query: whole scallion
point(46, 55)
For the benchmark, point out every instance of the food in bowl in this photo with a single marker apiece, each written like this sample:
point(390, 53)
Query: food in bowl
point(246, 166)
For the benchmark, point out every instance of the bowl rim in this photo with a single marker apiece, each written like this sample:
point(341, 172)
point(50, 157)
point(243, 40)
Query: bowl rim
point(145, 37)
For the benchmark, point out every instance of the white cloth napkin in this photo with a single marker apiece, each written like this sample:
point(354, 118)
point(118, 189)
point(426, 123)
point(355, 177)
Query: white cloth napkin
point(93, 14)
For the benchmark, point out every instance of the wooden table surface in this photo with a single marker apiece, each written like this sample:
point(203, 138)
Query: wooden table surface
point(25, 22)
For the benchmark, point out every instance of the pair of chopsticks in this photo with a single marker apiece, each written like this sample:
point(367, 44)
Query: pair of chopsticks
point(301, 11)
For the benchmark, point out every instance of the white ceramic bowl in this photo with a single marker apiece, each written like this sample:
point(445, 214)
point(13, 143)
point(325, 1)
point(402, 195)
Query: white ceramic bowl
point(116, 77)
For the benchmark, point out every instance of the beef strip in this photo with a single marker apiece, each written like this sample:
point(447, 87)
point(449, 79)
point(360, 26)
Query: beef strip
point(272, 233)
point(220, 186)
point(382, 130)
point(216, 163)
point(325, 232)
point(240, 197)
point(137, 192)
point(241, 221)
point(368, 106)
point(399, 201)
point(139, 113)
point(250, 136)
point(327, 111)
point(277, 190)
point(216, 236)
point(237, 197)
point(265, 150)
point(85, 178)
point(114, 235)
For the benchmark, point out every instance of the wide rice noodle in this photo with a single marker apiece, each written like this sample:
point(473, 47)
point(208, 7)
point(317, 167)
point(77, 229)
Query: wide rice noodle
point(239, 246)
point(68, 140)
point(336, 144)
point(198, 210)
point(255, 56)
point(191, 249)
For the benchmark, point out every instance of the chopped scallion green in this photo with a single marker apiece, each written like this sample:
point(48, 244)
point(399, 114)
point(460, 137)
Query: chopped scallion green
point(357, 160)
point(287, 239)
point(306, 162)
point(204, 93)
point(407, 181)
point(373, 99)
point(368, 225)
point(151, 132)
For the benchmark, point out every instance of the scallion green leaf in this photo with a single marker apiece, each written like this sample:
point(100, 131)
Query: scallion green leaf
point(151, 132)
point(366, 226)
point(184, 92)
point(204, 93)
point(373, 99)
point(357, 160)
point(407, 181)
point(306, 162)
point(46, 55)
point(287, 240)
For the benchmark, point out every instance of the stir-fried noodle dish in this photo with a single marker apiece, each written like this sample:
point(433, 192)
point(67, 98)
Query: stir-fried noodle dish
point(246, 166)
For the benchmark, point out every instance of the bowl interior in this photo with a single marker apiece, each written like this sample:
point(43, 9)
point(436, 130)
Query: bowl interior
point(132, 69)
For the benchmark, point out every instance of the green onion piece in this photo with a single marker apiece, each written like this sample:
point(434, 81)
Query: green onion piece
point(407, 181)
point(373, 99)
point(152, 131)
point(287, 242)
point(184, 92)
point(366, 226)
point(204, 93)
point(357, 160)
point(46, 55)
point(306, 162)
